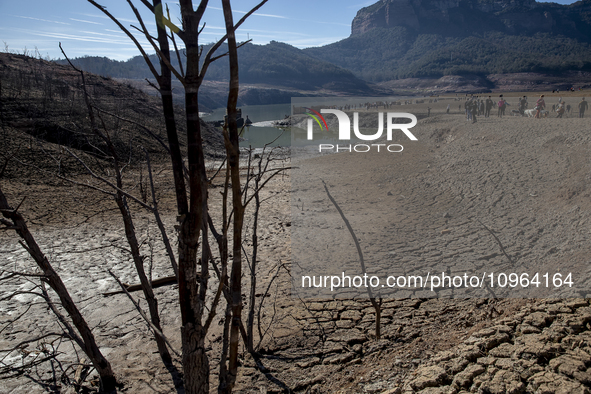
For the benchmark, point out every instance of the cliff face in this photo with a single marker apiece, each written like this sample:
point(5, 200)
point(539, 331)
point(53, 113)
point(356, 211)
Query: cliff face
point(466, 17)
point(401, 39)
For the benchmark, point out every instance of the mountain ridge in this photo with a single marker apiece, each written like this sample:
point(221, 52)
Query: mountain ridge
point(393, 40)
point(399, 39)
point(277, 65)
point(464, 17)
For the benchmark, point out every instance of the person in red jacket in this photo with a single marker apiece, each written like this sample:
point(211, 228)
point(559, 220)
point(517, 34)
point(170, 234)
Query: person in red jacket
point(501, 104)
point(540, 105)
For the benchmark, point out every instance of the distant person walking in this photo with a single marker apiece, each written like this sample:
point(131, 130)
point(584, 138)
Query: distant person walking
point(474, 108)
point(522, 105)
point(468, 107)
point(488, 106)
point(447, 110)
point(583, 105)
point(501, 104)
point(540, 105)
point(560, 110)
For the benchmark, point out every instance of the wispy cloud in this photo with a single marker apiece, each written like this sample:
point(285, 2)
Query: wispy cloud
point(38, 19)
point(117, 31)
point(267, 15)
point(147, 22)
point(255, 14)
point(214, 27)
point(323, 22)
point(285, 17)
point(298, 41)
point(101, 34)
point(248, 30)
point(84, 38)
point(245, 30)
point(85, 21)
point(90, 15)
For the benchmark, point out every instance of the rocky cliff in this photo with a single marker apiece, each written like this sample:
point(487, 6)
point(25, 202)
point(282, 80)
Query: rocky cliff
point(466, 17)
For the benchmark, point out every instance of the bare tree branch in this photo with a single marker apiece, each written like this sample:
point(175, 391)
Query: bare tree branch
point(372, 299)
point(159, 220)
point(213, 59)
point(131, 37)
point(498, 242)
point(144, 30)
point(107, 182)
point(143, 314)
point(215, 46)
point(178, 55)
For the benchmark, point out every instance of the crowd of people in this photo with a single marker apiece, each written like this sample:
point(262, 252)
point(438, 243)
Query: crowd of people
point(475, 106)
point(561, 108)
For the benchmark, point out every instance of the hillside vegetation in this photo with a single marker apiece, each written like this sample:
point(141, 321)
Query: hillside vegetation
point(273, 64)
point(43, 102)
point(398, 53)
point(427, 39)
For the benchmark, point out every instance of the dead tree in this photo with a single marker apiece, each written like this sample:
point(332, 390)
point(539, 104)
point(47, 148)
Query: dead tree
point(233, 151)
point(191, 194)
point(15, 221)
point(376, 303)
point(195, 224)
point(121, 200)
point(260, 172)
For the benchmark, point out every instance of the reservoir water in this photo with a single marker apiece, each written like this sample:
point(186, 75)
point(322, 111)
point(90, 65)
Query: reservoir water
point(260, 132)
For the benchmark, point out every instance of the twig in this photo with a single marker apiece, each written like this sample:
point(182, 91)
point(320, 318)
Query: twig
point(214, 47)
point(498, 241)
point(261, 334)
point(174, 44)
point(361, 261)
point(70, 330)
point(159, 220)
point(150, 132)
point(19, 345)
point(131, 37)
point(143, 314)
point(151, 41)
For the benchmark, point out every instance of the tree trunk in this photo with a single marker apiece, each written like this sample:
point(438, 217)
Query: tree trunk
point(195, 362)
point(139, 267)
point(165, 84)
point(253, 269)
point(233, 152)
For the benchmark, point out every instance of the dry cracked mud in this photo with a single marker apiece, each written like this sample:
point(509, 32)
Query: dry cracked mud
point(525, 179)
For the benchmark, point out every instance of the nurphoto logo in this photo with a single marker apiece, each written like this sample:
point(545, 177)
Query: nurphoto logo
point(344, 130)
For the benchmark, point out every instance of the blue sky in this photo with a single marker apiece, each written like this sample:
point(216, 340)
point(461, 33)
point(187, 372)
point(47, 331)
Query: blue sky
point(83, 30)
